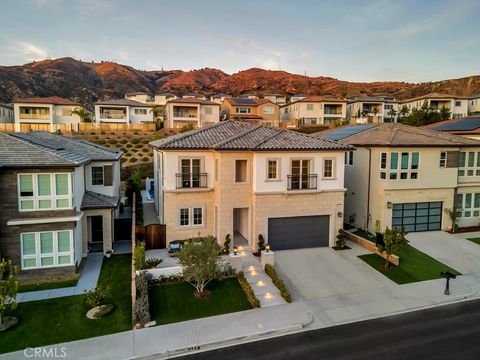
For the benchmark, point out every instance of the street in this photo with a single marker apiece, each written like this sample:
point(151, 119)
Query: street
point(447, 332)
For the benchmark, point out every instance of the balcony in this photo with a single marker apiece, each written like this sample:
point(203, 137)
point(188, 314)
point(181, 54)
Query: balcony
point(191, 181)
point(185, 115)
point(34, 116)
point(302, 182)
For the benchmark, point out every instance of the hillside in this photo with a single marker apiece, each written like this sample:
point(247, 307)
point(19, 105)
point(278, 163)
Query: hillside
point(87, 82)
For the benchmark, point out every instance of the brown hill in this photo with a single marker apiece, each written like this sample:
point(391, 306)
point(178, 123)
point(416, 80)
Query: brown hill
point(86, 82)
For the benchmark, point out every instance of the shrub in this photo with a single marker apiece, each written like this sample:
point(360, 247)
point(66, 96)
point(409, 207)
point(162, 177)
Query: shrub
point(145, 150)
point(138, 146)
point(157, 136)
point(103, 133)
point(186, 128)
point(99, 296)
point(8, 288)
point(135, 140)
point(145, 159)
point(139, 257)
point(152, 263)
point(270, 271)
point(128, 145)
point(141, 312)
point(341, 239)
point(113, 141)
point(252, 299)
point(226, 245)
point(261, 243)
point(100, 142)
point(123, 141)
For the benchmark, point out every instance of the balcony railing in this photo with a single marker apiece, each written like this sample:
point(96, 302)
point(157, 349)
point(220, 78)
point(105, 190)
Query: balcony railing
point(189, 180)
point(113, 116)
point(332, 112)
point(302, 182)
point(181, 114)
point(35, 116)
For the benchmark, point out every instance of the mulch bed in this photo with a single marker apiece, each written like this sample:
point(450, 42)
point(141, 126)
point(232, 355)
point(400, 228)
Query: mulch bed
point(340, 249)
point(466, 229)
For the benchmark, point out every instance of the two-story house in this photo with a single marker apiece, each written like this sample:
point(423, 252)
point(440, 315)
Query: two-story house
point(314, 110)
point(45, 112)
point(59, 201)
point(296, 97)
point(405, 177)
point(140, 97)
point(279, 99)
point(6, 113)
point(255, 111)
point(456, 105)
point(123, 111)
point(372, 109)
point(466, 126)
point(474, 105)
point(191, 111)
point(218, 98)
point(162, 98)
point(245, 180)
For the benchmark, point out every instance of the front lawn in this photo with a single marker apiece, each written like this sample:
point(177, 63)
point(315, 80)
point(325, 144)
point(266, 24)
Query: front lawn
point(53, 321)
point(47, 285)
point(414, 266)
point(175, 302)
point(475, 240)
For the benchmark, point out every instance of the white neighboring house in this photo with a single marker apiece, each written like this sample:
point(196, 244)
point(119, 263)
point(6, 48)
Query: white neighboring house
point(218, 98)
point(123, 111)
point(474, 105)
point(50, 110)
point(194, 95)
point(163, 98)
point(140, 97)
point(371, 109)
point(191, 111)
point(6, 113)
point(314, 110)
point(457, 105)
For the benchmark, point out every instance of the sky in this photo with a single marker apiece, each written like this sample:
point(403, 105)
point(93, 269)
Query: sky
point(358, 40)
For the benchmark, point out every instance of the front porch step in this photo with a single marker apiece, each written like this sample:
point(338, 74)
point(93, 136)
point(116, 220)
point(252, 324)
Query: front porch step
point(257, 277)
point(271, 299)
point(261, 287)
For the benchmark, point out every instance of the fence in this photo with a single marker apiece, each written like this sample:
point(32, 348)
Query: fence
point(69, 128)
point(115, 127)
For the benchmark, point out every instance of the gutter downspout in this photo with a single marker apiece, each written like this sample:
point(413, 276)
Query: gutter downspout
point(368, 189)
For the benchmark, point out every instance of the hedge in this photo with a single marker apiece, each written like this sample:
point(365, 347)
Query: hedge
point(252, 299)
point(270, 271)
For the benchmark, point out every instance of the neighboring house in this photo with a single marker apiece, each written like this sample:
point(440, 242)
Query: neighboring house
point(457, 105)
point(246, 180)
point(467, 126)
point(45, 112)
point(193, 95)
point(140, 97)
point(6, 113)
point(59, 201)
point(163, 98)
point(123, 111)
point(371, 109)
point(314, 110)
point(474, 105)
point(278, 99)
point(405, 177)
point(248, 96)
point(191, 111)
point(256, 111)
point(218, 98)
point(297, 97)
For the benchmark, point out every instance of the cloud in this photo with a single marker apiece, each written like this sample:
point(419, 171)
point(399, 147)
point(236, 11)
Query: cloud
point(26, 51)
point(85, 7)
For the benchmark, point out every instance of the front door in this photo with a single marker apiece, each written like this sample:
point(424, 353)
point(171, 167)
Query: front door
point(97, 228)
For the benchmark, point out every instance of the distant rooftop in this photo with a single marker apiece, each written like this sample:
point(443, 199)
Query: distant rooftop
point(247, 102)
point(435, 96)
point(371, 99)
point(459, 126)
point(51, 100)
point(122, 102)
point(193, 101)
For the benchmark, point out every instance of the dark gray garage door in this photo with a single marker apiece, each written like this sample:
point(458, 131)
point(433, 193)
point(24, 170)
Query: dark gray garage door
point(298, 232)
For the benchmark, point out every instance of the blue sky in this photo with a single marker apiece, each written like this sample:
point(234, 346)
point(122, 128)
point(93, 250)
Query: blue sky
point(403, 40)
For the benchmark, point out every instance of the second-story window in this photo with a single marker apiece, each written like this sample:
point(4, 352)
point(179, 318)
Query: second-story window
point(102, 175)
point(39, 192)
point(301, 177)
point(469, 163)
point(309, 107)
point(443, 159)
point(240, 171)
point(268, 110)
point(403, 165)
point(190, 174)
point(349, 158)
point(140, 111)
point(328, 169)
point(272, 170)
point(243, 110)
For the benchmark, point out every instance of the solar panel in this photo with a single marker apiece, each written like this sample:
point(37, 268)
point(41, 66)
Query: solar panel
point(347, 131)
point(245, 101)
point(467, 124)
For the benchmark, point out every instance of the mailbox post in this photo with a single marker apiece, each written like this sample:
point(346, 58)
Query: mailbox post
point(447, 275)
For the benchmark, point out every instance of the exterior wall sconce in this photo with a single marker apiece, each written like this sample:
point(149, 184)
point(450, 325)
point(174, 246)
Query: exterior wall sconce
point(340, 214)
point(267, 247)
point(389, 205)
point(235, 250)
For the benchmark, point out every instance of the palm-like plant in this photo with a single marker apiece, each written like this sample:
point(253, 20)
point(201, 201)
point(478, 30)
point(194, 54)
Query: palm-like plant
point(82, 113)
point(454, 214)
point(392, 113)
point(375, 112)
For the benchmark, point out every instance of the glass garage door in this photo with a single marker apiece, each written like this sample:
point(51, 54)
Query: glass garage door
point(424, 216)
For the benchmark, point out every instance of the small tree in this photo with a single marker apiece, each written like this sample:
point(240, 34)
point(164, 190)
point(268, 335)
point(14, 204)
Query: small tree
point(82, 113)
point(8, 288)
point(392, 240)
point(341, 239)
point(261, 243)
point(392, 113)
point(454, 215)
point(139, 256)
point(200, 262)
point(444, 113)
point(226, 244)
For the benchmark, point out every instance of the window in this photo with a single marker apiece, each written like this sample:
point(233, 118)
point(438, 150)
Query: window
point(468, 205)
point(328, 168)
point(301, 176)
point(97, 175)
point(383, 160)
point(66, 112)
point(272, 170)
point(140, 111)
point(216, 169)
point(47, 249)
point(403, 165)
point(240, 171)
point(349, 158)
point(458, 103)
point(310, 107)
point(44, 192)
point(191, 217)
point(269, 110)
point(243, 110)
point(443, 159)
point(208, 110)
point(388, 106)
point(469, 164)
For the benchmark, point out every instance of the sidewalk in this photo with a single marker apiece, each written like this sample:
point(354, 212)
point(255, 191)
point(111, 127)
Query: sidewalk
point(88, 281)
point(236, 328)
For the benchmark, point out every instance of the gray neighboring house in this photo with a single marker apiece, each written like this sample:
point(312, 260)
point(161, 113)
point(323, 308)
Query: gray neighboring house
point(60, 197)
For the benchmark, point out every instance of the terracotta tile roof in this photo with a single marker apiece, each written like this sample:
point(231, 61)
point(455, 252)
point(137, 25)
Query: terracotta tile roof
point(397, 135)
point(54, 100)
point(236, 135)
point(193, 101)
point(122, 102)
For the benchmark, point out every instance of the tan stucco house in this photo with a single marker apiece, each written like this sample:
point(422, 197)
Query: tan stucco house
point(191, 111)
point(245, 180)
point(254, 111)
point(402, 176)
point(313, 110)
point(456, 105)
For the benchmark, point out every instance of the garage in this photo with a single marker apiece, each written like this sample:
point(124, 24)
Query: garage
point(421, 216)
point(298, 232)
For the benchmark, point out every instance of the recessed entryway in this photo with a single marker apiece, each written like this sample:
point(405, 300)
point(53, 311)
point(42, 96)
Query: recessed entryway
point(95, 231)
point(240, 227)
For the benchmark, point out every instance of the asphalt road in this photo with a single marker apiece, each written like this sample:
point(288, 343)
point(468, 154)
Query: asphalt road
point(448, 332)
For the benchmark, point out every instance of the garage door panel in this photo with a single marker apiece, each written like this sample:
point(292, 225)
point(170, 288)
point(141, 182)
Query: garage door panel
point(298, 232)
point(424, 216)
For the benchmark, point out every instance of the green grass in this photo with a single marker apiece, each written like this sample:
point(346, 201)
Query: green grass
point(175, 302)
point(414, 266)
point(47, 322)
point(47, 286)
point(475, 240)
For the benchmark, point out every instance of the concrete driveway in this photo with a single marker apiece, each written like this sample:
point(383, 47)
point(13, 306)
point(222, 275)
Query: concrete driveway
point(452, 250)
point(319, 272)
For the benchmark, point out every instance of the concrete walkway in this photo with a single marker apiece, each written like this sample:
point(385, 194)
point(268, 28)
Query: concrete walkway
point(452, 250)
point(88, 281)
